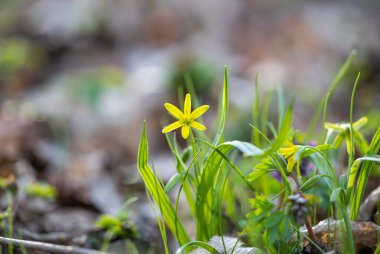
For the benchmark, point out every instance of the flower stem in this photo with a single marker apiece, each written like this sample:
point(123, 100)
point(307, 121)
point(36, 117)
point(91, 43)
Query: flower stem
point(307, 220)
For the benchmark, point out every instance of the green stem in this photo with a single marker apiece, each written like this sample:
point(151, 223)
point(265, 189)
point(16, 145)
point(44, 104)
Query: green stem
point(352, 148)
point(309, 227)
point(195, 152)
point(347, 223)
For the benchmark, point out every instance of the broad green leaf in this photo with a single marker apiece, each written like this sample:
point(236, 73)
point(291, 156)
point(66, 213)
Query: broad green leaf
point(336, 195)
point(343, 181)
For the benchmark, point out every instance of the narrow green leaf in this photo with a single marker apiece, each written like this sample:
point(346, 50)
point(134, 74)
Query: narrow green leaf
point(210, 173)
point(200, 244)
point(334, 84)
point(224, 110)
point(281, 104)
point(264, 112)
point(355, 168)
point(246, 148)
point(181, 167)
point(255, 138)
point(309, 183)
point(363, 176)
point(173, 181)
point(342, 71)
point(257, 173)
point(157, 191)
point(324, 116)
point(283, 133)
point(351, 148)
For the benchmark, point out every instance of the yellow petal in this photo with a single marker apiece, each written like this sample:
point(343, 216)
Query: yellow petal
point(185, 131)
point(172, 127)
point(187, 108)
point(360, 123)
point(338, 140)
point(289, 143)
point(199, 111)
point(198, 126)
point(348, 144)
point(290, 165)
point(176, 112)
point(335, 127)
point(286, 151)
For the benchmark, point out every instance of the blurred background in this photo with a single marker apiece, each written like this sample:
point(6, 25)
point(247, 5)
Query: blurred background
point(78, 77)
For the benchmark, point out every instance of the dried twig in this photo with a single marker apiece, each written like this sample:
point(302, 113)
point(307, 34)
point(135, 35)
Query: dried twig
point(61, 238)
point(47, 247)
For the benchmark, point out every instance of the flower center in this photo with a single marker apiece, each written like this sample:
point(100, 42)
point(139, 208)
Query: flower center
point(186, 121)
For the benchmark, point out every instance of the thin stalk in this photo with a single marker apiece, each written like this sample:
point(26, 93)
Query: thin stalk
point(195, 152)
point(106, 241)
point(324, 117)
point(352, 148)
point(307, 220)
point(347, 223)
point(255, 138)
point(310, 229)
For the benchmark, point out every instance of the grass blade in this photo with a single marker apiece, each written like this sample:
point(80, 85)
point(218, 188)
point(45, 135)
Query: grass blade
point(255, 138)
point(200, 244)
point(364, 174)
point(157, 191)
point(224, 109)
point(355, 168)
point(332, 88)
point(283, 133)
point(206, 187)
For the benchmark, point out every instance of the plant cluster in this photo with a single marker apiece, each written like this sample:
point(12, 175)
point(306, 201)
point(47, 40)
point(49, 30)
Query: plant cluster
point(271, 187)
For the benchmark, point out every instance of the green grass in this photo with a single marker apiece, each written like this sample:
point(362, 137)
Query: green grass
point(218, 176)
point(158, 193)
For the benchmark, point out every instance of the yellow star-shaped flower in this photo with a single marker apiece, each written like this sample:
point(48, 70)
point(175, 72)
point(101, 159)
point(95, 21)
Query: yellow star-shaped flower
point(289, 152)
point(185, 118)
point(343, 132)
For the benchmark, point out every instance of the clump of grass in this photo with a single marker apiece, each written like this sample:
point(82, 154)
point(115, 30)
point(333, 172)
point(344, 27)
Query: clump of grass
point(221, 185)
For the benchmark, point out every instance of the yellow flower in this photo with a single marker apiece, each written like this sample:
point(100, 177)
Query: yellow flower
point(185, 118)
point(289, 152)
point(343, 133)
